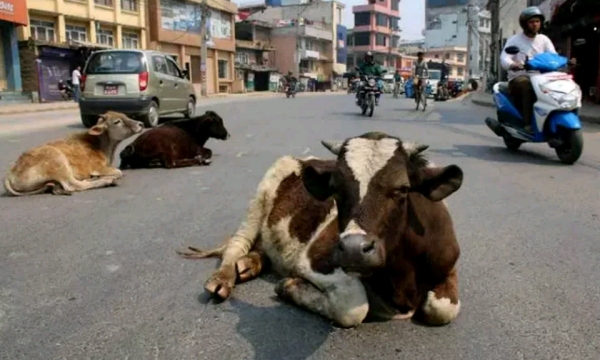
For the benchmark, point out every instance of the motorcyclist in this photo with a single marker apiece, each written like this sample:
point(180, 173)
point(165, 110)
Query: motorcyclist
point(421, 70)
point(370, 68)
point(290, 80)
point(531, 43)
point(397, 80)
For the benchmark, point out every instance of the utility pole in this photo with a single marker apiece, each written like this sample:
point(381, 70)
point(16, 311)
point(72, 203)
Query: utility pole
point(470, 8)
point(204, 15)
point(494, 7)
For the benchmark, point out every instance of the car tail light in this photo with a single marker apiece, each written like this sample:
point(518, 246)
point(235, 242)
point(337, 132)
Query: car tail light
point(82, 82)
point(143, 80)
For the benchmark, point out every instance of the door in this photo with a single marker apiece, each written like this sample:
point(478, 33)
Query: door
point(3, 83)
point(180, 85)
point(164, 83)
point(196, 74)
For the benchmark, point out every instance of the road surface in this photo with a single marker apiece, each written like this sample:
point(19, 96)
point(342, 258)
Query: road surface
point(95, 275)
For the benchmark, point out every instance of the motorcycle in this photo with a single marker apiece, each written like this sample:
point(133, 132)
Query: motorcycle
point(442, 93)
point(66, 89)
point(367, 92)
point(555, 117)
point(290, 90)
point(353, 85)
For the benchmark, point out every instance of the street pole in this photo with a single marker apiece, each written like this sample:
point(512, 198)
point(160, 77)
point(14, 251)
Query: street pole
point(495, 10)
point(469, 40)
point(204, 52)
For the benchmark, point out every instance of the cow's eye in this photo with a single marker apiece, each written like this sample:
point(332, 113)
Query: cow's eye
point(116, 122)
point(401, 191)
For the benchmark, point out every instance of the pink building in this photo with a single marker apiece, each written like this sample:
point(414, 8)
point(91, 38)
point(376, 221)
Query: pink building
point(375, 29)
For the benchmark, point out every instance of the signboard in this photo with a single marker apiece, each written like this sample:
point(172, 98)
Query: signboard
point(14, 11)
point(177, 15)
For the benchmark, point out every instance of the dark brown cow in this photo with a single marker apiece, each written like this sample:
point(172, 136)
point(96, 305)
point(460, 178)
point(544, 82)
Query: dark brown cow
point(367, 233)
point(176, 144)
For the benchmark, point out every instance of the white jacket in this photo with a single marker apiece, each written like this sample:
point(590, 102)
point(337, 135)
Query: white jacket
point(529, 46)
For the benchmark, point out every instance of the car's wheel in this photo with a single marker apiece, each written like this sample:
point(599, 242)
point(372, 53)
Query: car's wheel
point(150, 119)
point(572, 147)
point(89, 120)
point(190, 109)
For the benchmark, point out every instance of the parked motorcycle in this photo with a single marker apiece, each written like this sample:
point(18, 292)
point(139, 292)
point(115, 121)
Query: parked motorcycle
point(442, 93)
point(555, 117)
point(66, 89)
point(367, 92)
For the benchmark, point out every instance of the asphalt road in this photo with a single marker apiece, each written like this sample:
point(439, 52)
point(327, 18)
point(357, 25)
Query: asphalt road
point(95, 275)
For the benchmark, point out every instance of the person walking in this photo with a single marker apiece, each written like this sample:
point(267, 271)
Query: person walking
point(75, 80)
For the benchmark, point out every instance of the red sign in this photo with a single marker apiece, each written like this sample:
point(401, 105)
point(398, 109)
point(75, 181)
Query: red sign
point(14, 11)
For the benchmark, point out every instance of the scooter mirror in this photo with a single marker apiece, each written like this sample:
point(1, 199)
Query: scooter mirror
point(512, 50)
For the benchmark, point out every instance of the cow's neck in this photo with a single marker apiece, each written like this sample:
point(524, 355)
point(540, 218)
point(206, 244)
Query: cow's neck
point(107, 146)
point(202, 136)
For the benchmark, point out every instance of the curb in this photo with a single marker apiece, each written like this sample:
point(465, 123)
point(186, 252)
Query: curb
point(590, 119)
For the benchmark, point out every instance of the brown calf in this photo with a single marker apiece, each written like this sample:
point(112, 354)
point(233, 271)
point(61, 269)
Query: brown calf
point(367, 233)
point(176, 144)
point(69, 165)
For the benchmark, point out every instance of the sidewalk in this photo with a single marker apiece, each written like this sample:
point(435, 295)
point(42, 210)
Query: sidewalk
point(589, 113)
point(71, 105)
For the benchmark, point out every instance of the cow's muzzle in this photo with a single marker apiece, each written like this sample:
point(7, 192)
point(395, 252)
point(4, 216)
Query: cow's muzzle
point(359, 253)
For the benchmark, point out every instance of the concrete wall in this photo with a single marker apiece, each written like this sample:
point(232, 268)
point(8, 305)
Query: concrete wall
point(284, 57)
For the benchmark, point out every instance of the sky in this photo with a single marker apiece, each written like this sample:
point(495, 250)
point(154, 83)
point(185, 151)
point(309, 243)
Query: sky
point(412, 13)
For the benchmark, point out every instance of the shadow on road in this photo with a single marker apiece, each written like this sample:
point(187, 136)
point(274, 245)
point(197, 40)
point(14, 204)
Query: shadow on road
point(280, 332)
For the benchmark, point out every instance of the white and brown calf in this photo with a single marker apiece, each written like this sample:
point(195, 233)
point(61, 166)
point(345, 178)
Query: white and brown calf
point(364, 234)
point(80, 162)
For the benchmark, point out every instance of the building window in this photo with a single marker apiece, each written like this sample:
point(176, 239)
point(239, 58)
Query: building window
point(129, 5)
point(130, 40)
point(42, 30)
point(382, 20)
point(362, 18)
point(481, 22)
point(242, 58)
point(460, 57)
point(362, 38)
point(339, 15)
point(381, 40)
point(223, 73)
point(394, 23)
point(104, 2)
point(349, 40)
point(395, 5)
point(447, 56)
point(105, 37)
point(461, 71)
point(76, 33)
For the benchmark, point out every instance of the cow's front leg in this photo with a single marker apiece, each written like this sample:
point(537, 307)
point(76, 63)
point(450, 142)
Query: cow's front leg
point(442, 304)
point(340, 297)
point(108, 171)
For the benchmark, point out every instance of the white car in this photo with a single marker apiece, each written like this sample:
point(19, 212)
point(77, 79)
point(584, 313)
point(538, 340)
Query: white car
point(434, 78)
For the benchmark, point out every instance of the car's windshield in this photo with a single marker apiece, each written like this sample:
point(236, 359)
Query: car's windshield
point(118, 62)
point(435, 75)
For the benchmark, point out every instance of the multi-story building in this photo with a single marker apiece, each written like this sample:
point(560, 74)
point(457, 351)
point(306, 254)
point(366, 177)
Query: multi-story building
point(455, 57)
point(175, 29)
point(435, 8)
point(62, 32)
point(376, 30)
point(254, 57)
point(310, 41)
point(13, 14)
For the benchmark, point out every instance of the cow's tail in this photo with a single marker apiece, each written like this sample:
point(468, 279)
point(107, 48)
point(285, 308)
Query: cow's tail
point(242, 241)
point(10, 190)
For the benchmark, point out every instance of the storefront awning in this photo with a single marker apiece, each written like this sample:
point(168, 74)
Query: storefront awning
point(90, 44)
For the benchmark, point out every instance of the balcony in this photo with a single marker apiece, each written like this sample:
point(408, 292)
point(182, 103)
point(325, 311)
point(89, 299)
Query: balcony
point(310, 31)
point(309, 54)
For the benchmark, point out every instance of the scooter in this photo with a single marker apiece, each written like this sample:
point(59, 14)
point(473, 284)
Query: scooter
point(556, 120)
point(442, 93)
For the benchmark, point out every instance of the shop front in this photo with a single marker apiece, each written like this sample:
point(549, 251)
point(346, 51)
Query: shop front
point(13, 13)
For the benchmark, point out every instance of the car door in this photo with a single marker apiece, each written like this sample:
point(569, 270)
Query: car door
point(165, 83)
point(179, 89)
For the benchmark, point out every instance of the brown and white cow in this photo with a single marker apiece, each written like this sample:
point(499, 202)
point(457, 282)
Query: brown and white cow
point(367, 233)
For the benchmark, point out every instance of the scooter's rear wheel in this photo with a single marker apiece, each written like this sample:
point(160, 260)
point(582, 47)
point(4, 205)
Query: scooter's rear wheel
point(572, 147)
point(511, 143)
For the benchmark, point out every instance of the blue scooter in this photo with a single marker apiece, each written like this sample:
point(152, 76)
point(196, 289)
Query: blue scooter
point(556, 111)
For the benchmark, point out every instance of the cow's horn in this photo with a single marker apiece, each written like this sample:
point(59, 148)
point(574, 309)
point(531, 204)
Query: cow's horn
point(333, 146)
point(414, 148)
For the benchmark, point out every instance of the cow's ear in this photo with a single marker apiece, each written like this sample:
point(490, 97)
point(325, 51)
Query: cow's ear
point(317, 179)
point(437, 183)
point(97, 130)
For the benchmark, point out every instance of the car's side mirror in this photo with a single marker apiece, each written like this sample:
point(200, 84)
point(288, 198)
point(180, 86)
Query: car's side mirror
point(185, 74)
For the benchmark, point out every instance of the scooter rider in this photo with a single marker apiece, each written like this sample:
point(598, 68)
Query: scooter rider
point(531, 43)
point(421, 70)
point(369, 68)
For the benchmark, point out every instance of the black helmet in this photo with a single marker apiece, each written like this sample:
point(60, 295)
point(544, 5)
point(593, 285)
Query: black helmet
point(369, 57)
point(528, 14)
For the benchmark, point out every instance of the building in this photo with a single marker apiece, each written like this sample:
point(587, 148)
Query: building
point(435, 8)
point(13, 14)
point(62, 33)
point(411, 46)
point(310, 41)
point(175, 29)
point(454, 56)
point(376, 30)
point(254, 57)
point(405, 64)
point(574, 27)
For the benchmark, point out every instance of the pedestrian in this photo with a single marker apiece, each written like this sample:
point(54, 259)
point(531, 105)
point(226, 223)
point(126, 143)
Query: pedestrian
point(75, 77)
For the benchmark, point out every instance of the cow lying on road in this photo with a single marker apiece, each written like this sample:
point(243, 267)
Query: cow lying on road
point(69, 165)
point(367, 233)
point(176, 144)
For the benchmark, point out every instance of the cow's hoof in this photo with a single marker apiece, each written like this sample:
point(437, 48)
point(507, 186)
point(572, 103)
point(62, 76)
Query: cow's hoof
point(220, 285)
point(284, 287)
point(247, 268)
point(114, 182)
